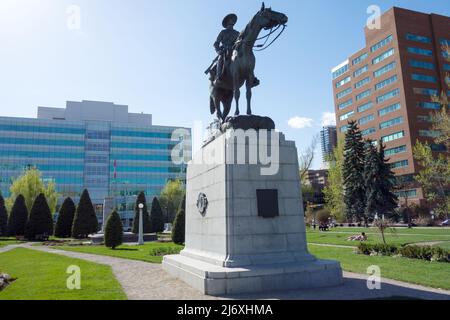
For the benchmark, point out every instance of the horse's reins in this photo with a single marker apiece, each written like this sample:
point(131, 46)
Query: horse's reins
point(267, 36)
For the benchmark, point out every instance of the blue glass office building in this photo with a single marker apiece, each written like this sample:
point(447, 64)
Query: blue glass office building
point(95, 145)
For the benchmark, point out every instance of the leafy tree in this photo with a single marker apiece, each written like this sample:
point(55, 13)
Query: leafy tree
point(85, 221)
point(379, 180)
point(179, 226)
point(40, 221)
point(333, 191)
point(3, 218)
point(402, 184)
point(156, 216)
point(171, 197)
point(63, 228)
point(145, 218)
point(30, 185)
point(306, 159)
point(352, 170)
point(434, 177)
point(18, 218)
point(113, 231)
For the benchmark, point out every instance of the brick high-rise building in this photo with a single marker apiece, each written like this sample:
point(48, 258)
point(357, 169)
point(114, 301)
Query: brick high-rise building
point(387, 86)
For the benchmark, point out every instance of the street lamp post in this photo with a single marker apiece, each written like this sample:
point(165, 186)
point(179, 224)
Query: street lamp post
point(141, 225)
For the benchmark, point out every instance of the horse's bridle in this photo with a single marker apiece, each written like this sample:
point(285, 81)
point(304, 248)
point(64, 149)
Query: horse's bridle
point(267, 37)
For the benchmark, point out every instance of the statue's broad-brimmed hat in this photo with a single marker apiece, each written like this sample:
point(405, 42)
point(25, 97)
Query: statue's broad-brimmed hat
point(229, 19)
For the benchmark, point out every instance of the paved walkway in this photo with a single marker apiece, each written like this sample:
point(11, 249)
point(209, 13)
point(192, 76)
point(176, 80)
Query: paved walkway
point(146, 281)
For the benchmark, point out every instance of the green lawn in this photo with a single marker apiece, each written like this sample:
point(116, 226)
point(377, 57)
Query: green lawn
point(42, 276)
point(430, 274)
point(399, 237)
point(144, 253)
point(8, 241)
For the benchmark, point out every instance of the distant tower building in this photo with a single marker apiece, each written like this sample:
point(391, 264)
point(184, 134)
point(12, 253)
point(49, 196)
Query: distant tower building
point(328, 140)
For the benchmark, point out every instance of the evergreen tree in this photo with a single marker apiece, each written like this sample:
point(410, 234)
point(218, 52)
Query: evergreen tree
point(145, 217)
point(85, 221)
point(379, 184)
point(113, 231)
point(3, 218)
point(156, 216)
point(352, 170)
point(179, 226)
point(40, 221)
point(18, 217)
point(63, 228)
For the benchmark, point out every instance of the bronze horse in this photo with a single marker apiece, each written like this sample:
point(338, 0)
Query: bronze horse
point(241, 68)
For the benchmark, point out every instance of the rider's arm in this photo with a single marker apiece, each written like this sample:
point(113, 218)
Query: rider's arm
point(218, 42)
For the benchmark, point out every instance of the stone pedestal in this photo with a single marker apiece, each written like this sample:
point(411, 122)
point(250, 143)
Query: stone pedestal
point(245, 228)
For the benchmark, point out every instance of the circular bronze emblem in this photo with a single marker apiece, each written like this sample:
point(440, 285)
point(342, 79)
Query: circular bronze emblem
point(202, 203)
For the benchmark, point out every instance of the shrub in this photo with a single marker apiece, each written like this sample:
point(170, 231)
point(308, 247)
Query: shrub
point(63, 228)
point(113, 231)
point(156, 216)
point(427, 253)
point(178, 231)
point(164, 251)
point(85, 221)
point(3, 218)
point(18, 218)
point(40, 222)
point(146, 220)
point(323, 216)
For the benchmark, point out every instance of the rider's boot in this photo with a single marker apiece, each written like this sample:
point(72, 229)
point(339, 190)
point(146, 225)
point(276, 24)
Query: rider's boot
point(256, 82)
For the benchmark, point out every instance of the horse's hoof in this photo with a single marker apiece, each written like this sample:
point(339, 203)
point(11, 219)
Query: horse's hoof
point(236, 114)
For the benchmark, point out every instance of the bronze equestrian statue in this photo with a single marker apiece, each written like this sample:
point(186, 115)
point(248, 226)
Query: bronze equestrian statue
point(235, 64)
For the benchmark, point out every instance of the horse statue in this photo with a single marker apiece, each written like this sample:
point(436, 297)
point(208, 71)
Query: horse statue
point(241, 67)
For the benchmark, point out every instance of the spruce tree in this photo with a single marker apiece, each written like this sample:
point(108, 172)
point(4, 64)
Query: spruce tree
point(40, 221)
point(156, 216)
point(85, 221)
point(63, 228)
point(372, 181)
point(145, 218)
point(179, 225)
point(3, 218)
point(353, 169)
point(113, 231)
point(18, 217)
point(387, 185)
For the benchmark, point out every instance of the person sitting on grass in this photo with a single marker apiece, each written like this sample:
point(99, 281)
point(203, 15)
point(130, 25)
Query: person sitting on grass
point(361, 237)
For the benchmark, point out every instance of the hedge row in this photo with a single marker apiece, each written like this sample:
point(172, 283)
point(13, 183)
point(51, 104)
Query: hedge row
point(427, 253)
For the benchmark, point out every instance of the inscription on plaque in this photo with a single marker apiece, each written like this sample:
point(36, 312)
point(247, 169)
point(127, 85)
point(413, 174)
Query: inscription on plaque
point(267, 203)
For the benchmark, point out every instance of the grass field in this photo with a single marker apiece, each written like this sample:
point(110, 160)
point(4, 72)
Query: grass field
point(42, 276)
point(399, 237)
point(7, 241)
point(144, 253)
point(430, 274)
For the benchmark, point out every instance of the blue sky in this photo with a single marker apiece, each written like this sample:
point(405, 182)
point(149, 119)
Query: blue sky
point(151, 56)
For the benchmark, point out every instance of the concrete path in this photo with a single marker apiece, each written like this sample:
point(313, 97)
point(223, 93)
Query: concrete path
point(146, 281)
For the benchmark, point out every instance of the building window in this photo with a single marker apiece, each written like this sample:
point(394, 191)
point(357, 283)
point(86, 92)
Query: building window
point(342, 82)
point(360, 58)
point(391, 123)
point(384, 69)
point(385, 83)
point(363, 94)
point(346, 116)
point(422, 64)
point(429, 105)
point(394, 136)
point(368, 131)
point(423, 77)
point(399, 164)
point(388, 96)
point(340, 71)
point(438, 147)
point(365, 106)
point(344, 128)
point(381, 44)
point(366, 119)
point(417, 38)
point(383, 56)
point(360, 71)
point(406, 194)
point(429, 133)
point(420, 51)
point(393, 151)
point(362, 82)
point(425, 91)
point(424, 118)
point(345, 104)
point(389, 109)
point(344, 93)
point(446, 67)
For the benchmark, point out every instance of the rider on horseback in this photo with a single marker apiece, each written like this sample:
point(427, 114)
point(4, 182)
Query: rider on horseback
point(224, 46)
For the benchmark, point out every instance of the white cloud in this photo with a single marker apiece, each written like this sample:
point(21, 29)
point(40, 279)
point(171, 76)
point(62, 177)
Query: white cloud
point(300, 122)
point(328, 119)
